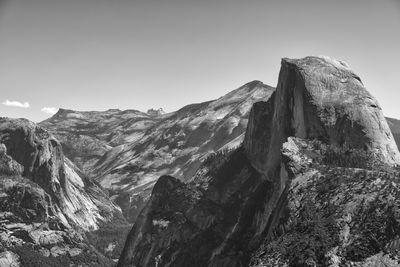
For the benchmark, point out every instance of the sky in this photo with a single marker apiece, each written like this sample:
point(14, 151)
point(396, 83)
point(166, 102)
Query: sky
point(142, 54)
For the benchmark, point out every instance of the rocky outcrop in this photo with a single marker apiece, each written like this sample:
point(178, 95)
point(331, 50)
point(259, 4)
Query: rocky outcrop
point(321, 127)
point(9, 259)
point(340, 209)
point(208, 221)
point(45, 201)
point(320, 98)
point(40, 154)
point(134, 149)
point(346, 113)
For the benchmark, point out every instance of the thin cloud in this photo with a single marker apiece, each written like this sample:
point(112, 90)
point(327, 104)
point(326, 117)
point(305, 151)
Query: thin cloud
point(50, 110)
point(18, 104)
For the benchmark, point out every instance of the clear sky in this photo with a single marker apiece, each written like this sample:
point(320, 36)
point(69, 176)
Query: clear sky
point(141, 54)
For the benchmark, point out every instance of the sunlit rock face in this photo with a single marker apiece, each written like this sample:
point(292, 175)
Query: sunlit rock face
point(127, 151)
point(320, 127)
point(45, 201)
point(321, 98)
point(43, 162)
point(335, 107)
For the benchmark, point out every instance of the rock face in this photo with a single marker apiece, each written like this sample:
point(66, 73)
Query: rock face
point(317, 157)
point(46, 203)
point(127, 151)
point(338, 102)
point(9, 259)
point(394, 126)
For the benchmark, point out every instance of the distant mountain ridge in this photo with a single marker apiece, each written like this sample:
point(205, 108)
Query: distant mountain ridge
point(127, 151)
point(87, 135)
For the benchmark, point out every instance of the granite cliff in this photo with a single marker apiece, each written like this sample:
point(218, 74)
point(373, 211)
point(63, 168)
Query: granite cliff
point(394, 125)
point(46, 204)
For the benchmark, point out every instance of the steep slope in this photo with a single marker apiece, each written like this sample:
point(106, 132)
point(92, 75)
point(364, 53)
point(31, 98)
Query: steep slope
point(394, 125)
point(138, 148)
point(320, 119)
point(46, 203)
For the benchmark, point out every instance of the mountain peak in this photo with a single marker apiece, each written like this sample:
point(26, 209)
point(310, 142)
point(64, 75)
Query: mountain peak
point(254, 83)
point(155, 112)
point(62, 111)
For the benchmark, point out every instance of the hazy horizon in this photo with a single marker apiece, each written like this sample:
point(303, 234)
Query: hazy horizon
point(99, 54)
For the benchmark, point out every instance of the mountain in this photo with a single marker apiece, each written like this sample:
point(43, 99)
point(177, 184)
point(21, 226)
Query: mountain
point(127, 151)
point(315, 183)
point(86, 136)
point(46, 204)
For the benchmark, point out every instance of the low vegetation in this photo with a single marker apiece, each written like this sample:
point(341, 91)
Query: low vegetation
point(110, 239)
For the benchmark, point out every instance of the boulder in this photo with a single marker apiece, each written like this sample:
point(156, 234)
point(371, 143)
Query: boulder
point(9, 259)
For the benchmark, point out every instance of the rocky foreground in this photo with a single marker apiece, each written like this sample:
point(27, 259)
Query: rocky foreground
point(315, 183)
point(47, 206)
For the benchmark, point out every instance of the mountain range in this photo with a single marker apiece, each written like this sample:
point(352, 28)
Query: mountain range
point(127, 151)
point(302, 175)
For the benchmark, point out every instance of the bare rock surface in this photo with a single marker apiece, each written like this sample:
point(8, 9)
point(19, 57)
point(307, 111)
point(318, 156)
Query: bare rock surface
point(9, 259)
point(394, 126)
point(337, 106)
point(314, 184)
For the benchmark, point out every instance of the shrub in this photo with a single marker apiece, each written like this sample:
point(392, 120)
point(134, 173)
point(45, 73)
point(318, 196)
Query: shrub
point(379, 224)
point(30, 257)
point(349, 158)
point(215, 160)
point(111, 233)
point(308, 239)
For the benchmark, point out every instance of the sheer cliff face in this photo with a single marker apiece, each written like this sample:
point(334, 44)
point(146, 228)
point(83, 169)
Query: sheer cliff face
point(45, 199)
point(235, 203)
point(321, 98)
point(334, 106)
point(394, 126)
